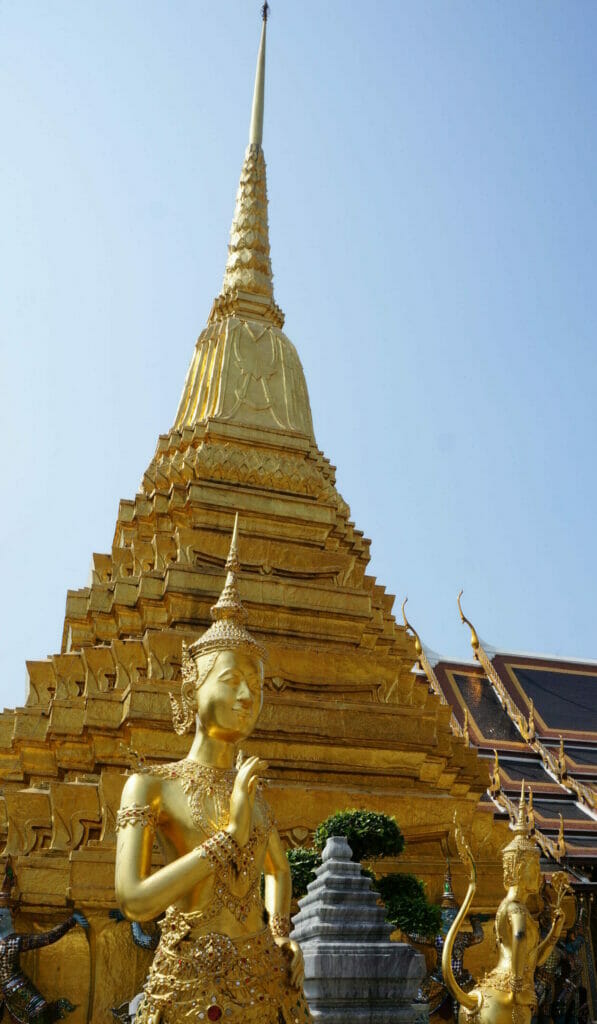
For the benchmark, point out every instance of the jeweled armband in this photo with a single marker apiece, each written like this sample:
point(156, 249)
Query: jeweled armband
point(221, 850)
point(136, 815)
point(279, 925)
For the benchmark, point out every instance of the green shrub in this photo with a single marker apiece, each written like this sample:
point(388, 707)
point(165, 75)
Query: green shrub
point(407, 906)
point(303, 863)
point(370, 835)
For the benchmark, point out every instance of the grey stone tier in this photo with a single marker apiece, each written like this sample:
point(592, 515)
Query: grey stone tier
point(353, 972)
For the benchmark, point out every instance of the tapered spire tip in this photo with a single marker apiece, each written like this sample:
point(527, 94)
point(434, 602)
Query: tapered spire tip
point(256, 127)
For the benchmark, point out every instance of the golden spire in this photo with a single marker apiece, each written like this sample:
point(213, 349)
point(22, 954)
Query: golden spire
point(248, 287)
point(256, 128)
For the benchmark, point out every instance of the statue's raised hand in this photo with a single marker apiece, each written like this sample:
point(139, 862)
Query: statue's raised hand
point(242, 799)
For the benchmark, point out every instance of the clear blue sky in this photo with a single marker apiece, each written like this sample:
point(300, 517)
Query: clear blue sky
point(432, 171)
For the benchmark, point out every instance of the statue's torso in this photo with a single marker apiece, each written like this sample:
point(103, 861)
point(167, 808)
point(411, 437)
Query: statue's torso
point(497, 986)
point(528, 940)
point(228, 905)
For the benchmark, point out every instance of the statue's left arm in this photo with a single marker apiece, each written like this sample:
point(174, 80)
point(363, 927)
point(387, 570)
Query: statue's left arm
point(29, 941)
point(278, 894)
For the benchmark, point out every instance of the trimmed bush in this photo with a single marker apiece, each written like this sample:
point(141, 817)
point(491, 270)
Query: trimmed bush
point(370, 835)
point(303, 863)
point(407, 906)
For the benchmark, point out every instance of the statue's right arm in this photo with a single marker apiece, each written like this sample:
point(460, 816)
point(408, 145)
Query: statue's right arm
point(141, 894)
point(546, 946)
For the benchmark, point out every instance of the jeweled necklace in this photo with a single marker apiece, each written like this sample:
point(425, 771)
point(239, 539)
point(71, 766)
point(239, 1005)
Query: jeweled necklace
point(204, 784)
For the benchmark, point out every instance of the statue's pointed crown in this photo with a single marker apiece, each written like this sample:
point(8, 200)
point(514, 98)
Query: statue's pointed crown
point(523, 845)
point(228, 630)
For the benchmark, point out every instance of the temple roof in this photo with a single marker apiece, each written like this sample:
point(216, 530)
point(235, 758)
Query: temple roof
point(534, 718)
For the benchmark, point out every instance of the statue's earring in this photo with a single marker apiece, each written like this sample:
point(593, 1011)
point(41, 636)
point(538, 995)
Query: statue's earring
point(183, 711)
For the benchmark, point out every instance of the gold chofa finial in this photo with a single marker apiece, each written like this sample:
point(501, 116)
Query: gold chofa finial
point(531, 813)
point(561, 843)
point(531, 725)
point(463, 618)
point(418, 645)
point(561, 762)
point(495, 782)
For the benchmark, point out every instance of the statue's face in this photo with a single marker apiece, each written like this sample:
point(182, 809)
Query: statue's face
point(229, 700)
point(6, 924)
point(530, 874)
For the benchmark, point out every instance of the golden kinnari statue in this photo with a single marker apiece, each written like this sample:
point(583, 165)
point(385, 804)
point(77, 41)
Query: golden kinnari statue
point(507, 994)
point(216, 959)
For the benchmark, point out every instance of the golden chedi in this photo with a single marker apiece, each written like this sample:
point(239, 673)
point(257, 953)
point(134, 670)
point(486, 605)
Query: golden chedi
point(216, 959)
point(345, 720)
point(507, 994)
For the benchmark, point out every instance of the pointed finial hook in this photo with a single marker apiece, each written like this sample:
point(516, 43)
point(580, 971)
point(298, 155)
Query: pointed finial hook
point(418, 645)
point(463, 618)
point(265, 11)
